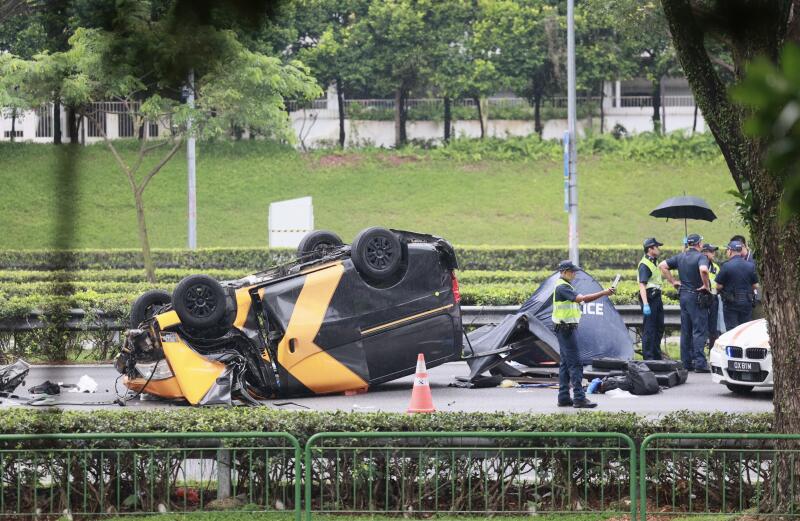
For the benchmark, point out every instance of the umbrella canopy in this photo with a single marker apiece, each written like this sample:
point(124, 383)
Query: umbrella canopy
point(684, 207)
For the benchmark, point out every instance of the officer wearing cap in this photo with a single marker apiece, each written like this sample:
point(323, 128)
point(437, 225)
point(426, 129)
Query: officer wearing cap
point(566, 316)
point(746, 253)
point(694, 293)
point(709, 250)
point(650, 281)
point(737, 280)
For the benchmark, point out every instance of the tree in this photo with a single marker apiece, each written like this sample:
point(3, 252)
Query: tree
point(524, 40)
point(233, 87)
point(752, 29)
point(323, 32)
point(392, 43)
point(601, 50)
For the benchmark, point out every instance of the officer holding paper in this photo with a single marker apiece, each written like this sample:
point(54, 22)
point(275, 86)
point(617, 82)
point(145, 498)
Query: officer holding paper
point(650, 281)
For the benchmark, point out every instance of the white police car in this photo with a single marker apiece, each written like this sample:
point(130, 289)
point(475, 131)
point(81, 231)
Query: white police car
point(742, 359)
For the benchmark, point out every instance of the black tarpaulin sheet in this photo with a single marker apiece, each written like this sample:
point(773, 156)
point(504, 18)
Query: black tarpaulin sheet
point(601, 333)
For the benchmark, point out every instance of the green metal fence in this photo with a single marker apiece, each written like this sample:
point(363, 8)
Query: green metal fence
point(85, 475)
point(423, 473)
point(706, 474)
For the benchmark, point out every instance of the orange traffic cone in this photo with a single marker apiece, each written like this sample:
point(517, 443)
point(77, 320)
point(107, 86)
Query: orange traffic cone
point(421, 399)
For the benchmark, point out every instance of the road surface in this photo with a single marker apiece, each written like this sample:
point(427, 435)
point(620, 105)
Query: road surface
point(698, 394)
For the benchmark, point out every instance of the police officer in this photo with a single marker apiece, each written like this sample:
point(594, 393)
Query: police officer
point(747, 254)
point(694, 293)
point(709, 250)
point(737, 281)
point(566, 316)
point(650, 281)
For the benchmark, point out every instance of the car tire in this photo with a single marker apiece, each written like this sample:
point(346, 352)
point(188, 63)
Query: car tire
point(663, 366)
point(315, 244)
point(200, 301)
point(610, 363)
point(739, 389)
point(377, 254)
point(147, 305)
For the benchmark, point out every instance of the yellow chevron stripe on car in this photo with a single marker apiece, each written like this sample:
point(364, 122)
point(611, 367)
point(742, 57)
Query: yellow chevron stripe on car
point(195, 373)
point(309, 364)
point(243, 303)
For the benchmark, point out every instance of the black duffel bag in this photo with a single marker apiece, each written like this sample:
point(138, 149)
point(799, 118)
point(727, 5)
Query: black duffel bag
point(641, 379)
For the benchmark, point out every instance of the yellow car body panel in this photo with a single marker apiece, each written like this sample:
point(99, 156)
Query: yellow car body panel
point(195, 373)
point(297, 352)
point(167, 388)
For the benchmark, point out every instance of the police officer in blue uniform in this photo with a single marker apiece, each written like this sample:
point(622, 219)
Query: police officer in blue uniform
point(694, 293)
point(737, 280)
point(710, 251)
point(566, 316)
point(650, 281)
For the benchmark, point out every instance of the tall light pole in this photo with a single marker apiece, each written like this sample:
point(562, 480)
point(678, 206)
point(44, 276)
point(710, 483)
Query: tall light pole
point(573, 138)
point(192, 189)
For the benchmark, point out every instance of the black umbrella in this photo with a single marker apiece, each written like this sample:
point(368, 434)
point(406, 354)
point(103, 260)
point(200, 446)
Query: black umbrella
point(684, 207)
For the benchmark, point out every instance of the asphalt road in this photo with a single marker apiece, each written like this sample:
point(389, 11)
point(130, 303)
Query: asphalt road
point(698, 394)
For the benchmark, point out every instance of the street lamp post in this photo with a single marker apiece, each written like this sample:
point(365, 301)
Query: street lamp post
point(190, 160)
point(572, 141)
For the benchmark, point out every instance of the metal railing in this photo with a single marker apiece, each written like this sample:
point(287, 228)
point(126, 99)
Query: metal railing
point(402, 473)
point(137, 473)
point(421, 473)
point(707, 473)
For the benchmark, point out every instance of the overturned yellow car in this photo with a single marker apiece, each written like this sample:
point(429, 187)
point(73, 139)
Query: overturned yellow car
point(339, 318)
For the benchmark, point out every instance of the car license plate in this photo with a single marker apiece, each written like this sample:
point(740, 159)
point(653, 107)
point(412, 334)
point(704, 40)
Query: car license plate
point(748, 367)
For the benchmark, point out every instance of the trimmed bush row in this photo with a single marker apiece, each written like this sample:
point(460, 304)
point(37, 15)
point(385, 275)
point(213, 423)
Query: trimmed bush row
point(253, 259)
point(174, 275)
point(304, 424)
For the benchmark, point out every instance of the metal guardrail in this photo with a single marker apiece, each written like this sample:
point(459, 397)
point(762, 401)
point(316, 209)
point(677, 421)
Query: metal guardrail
point(707, 474)
point(80, 320)
point(421, 473)
point(50, 475)
point(631, 315)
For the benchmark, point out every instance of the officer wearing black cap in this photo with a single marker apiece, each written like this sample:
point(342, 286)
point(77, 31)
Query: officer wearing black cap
point(694, 293)
point(566, 316)
point(709, 250)
point(737, 280)
point(650, 281)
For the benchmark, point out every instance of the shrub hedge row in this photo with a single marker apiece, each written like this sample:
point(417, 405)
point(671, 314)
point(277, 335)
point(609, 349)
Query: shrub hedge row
point(527, 258)
point(304, 424)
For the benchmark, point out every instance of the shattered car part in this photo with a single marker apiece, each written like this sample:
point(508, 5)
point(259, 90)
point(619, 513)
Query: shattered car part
point(11, 376)
point(339, 318)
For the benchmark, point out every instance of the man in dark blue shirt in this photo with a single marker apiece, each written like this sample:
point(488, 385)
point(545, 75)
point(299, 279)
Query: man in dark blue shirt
point(694, 293)
point(736, 281)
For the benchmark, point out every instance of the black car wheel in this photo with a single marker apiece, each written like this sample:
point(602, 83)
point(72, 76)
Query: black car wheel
point(199, 301)
point(739, 389)
point(317, 243)
point(376, 253)
point(147, 305)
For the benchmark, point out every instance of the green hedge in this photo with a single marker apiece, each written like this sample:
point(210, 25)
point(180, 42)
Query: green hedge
point(527, 258)
point(304, 424)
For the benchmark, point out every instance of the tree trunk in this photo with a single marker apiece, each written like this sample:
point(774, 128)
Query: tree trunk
point(777, 245)
point(13, 124)
point(447, 119)
point(537, 113)
point(694, 120)
point(602, 109)
point(484, 104)
point(398, 118)
point(144, 241)
point(56, 120)
point(72, 125)
point(656, 96)
point(340, 107)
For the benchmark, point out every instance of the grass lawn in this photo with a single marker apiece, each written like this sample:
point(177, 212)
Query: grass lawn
point(469, 203)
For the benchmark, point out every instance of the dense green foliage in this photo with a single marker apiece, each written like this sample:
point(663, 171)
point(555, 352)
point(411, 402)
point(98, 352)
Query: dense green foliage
point(304, 424)
point(473, 192)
